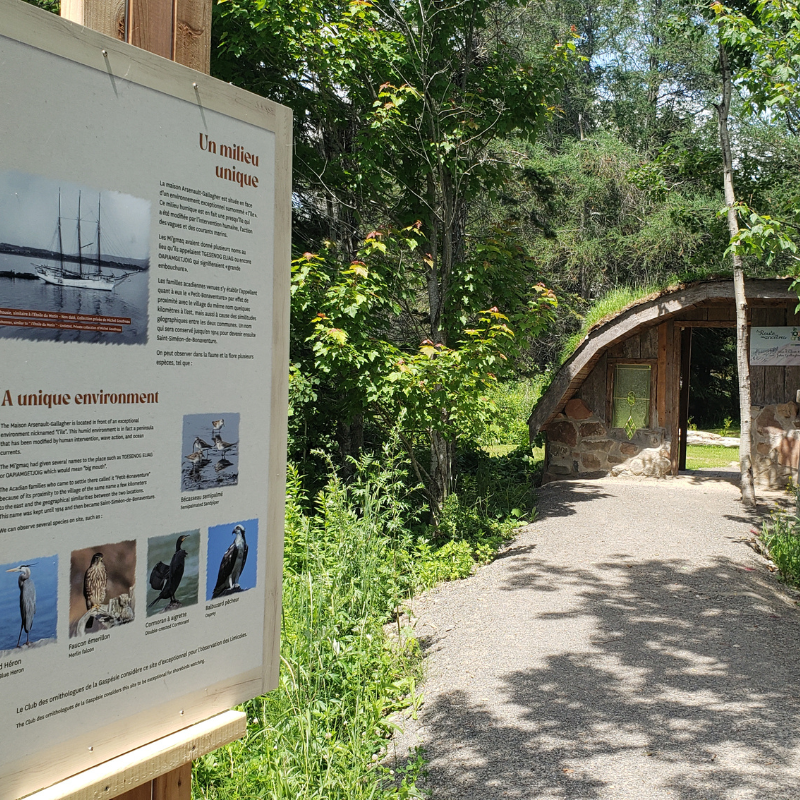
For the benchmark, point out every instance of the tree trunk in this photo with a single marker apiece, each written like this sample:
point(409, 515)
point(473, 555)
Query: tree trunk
point(742, 331)
point(350, 438)
point(440, 474)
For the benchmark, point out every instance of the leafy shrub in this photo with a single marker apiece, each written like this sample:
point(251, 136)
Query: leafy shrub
point(350, 561)
point(513, 402)
point(781, 537)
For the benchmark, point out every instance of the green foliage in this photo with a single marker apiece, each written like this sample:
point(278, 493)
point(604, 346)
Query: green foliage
point(781, 537)
point(714, 388)
point(512, 402)
point(430, 390)
point(53, 6)
point(350, 561)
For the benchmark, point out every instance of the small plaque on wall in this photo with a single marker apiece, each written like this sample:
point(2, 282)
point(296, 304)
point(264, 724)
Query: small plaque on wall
point(775, 347)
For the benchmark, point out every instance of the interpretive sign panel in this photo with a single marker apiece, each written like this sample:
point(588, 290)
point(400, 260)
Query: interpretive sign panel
point(775, 347)
point(144, 283)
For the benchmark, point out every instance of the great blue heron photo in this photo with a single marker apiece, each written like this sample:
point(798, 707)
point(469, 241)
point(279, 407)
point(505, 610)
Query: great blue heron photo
point(173, 568)
point(102, 587)
point(232, 557)
point(207, 459)
point(28, 603)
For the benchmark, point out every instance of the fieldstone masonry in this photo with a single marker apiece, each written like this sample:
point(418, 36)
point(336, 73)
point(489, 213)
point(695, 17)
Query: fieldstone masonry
point(775, 437)
point(580, 444)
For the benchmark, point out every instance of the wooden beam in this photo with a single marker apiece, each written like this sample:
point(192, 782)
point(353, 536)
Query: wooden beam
point(150, 26)
point(192, 30)
point(120, 776)
point(143, 792)
point(176, 29)
point(175, 785)
point(683, 418)
point(105, 16)
point(661, 376)
point(700, 323)
point(673, 399)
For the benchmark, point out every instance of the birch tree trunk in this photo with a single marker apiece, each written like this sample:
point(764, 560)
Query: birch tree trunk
point(742, 331)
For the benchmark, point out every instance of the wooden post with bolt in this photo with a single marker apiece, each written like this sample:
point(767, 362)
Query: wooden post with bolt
point(179, 30)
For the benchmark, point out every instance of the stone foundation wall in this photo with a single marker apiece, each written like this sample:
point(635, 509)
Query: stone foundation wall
point(775, 437)
point(580, 445)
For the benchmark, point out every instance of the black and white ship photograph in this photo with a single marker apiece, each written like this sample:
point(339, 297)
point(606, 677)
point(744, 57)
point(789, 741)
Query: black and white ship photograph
point(210, 451)
point(74, 262)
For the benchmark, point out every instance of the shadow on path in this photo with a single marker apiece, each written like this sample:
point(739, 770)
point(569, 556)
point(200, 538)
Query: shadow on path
point(689, 668)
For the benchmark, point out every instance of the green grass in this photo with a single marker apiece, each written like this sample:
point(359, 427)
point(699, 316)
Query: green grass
point(618, 299)
point(734, 430)
point(513, 402)
point(702, 456)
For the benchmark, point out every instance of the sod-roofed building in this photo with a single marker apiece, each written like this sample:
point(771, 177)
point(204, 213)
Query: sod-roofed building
point(619, 405)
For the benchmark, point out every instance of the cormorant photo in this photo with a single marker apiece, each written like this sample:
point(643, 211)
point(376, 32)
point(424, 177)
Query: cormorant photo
point(27, 600)
point(232, 564)
point(167, 577)
point(94, 583)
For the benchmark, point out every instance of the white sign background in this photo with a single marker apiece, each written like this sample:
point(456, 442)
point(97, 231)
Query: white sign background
point(778, 346)
point(117, 126)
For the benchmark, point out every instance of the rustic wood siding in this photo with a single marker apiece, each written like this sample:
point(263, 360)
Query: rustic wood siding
point(768, 385)
point(593, 390)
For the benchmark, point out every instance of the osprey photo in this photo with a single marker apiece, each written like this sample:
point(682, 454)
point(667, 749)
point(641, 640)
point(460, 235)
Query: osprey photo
point(232, 556)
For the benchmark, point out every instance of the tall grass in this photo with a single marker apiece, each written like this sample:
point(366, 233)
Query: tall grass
point(353, 554)
point(781, 538)
point(514, 400)
point(618, 299)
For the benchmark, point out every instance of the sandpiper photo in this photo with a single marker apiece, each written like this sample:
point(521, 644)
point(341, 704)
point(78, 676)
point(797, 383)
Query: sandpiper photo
point(232, 556)
point(102, 580)
point(28, 603)
point(173, 569)
point(74, 262)
point(210, 454)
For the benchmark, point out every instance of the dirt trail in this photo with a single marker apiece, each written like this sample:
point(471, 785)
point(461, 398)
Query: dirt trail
point(628, 644)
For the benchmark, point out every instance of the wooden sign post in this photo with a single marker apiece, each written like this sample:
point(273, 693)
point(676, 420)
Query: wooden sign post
point(143, 403)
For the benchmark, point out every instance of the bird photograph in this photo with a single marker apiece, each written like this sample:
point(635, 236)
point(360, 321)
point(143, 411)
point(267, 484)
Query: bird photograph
point(209, 460)
point(231, 564)
point(173, 564)
point(28, 604)
point(102, 580)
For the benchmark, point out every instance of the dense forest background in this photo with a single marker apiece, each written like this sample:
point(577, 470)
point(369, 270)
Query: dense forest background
point(474, 180)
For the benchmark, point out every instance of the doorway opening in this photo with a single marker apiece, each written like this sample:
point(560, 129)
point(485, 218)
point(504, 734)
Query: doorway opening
point(709, 399)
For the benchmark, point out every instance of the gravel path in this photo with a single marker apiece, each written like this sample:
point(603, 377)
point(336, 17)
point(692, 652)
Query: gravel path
point(628, 644)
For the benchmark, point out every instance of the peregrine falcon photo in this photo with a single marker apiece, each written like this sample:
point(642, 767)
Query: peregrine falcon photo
point(102, 582)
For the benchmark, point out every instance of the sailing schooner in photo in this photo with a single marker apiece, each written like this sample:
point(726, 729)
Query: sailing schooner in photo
point(83, 278)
